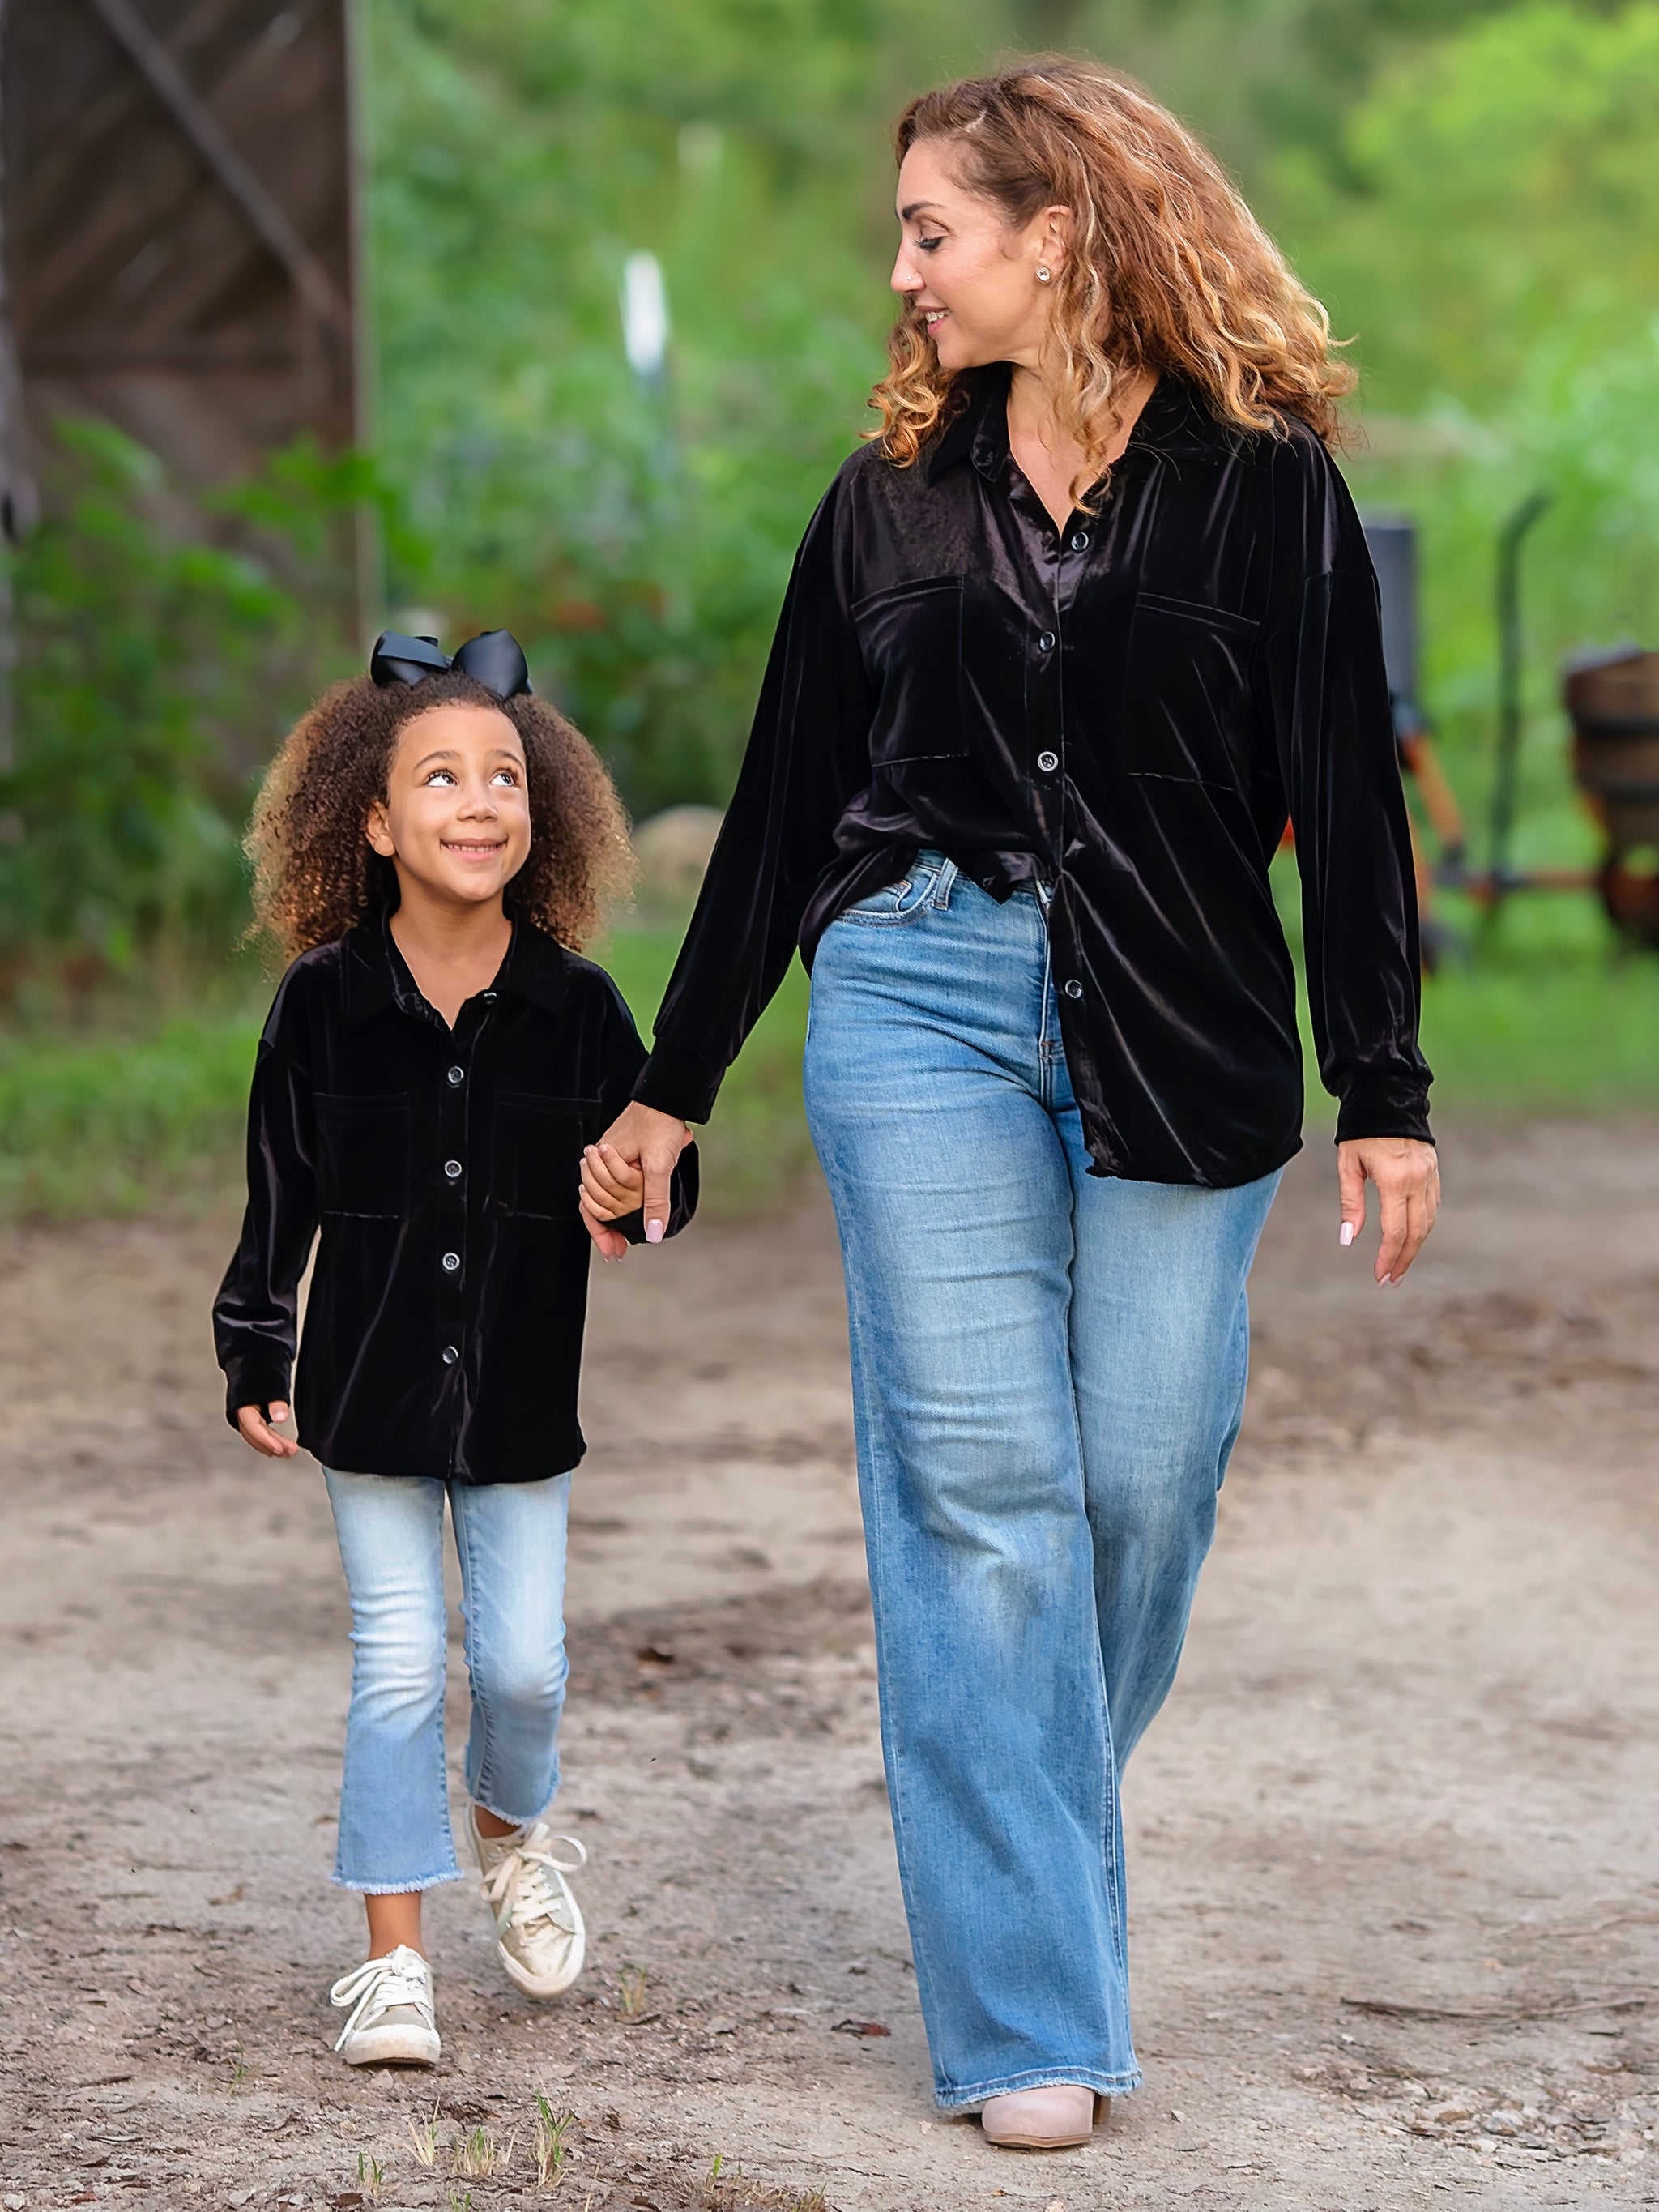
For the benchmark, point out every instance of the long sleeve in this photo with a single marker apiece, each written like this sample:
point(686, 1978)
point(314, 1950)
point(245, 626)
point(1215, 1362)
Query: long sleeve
point(623, 1058)
point(1339, 765)
point(256, 1313)
point(808, 754)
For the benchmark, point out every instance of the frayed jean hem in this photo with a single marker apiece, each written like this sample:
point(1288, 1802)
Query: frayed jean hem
point(1040, 2077)
point(398, 1888)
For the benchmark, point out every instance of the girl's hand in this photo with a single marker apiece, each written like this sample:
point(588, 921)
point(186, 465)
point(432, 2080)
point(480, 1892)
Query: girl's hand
point(610, 1186)
point(257, 1431)
point(1407, 1173)
point(643, 1143)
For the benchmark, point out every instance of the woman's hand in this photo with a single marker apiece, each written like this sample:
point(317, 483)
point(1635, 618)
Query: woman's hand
point(254, 1422)
point(1407, 1173)
point(631, 1168)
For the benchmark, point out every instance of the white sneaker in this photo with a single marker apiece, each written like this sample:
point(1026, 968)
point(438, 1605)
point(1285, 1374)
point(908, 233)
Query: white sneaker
point(539, 1936)
point(390, 2020)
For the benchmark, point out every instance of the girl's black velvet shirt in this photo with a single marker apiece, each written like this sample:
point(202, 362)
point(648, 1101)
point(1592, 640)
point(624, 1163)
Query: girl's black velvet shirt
point(1130, 707)
point(444, 1328)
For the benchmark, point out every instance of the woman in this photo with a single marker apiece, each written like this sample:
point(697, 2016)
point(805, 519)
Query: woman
point(1064, 647)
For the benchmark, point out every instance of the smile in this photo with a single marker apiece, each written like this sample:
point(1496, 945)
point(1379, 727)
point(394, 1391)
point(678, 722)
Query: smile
point(932, 317)
point(472, 849)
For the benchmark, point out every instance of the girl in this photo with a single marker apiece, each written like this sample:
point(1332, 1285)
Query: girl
point(430, 841)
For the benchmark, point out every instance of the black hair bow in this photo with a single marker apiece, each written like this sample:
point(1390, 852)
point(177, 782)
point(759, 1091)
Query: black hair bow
point(494, 659)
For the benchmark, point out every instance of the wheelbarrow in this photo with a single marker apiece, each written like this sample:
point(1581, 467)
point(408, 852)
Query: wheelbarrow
point(1612, 699)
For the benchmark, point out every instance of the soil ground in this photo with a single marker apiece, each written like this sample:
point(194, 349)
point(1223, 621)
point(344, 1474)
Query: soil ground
point(1394, 1843)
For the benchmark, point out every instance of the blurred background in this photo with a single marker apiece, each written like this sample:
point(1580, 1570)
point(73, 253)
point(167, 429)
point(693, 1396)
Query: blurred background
point(560, 314)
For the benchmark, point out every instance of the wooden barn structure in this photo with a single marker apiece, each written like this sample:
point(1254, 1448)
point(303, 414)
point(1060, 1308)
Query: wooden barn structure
point(179, 251)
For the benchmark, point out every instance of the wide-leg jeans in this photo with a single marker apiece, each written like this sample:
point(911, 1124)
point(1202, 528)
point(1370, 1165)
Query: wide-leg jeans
point(510, 1539)
point(1048, 1374)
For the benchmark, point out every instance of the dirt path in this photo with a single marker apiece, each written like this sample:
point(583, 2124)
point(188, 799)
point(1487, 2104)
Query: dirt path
point(1395, 1877)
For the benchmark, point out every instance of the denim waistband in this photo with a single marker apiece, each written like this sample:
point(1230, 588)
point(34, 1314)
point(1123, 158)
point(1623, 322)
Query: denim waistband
point(929, 859)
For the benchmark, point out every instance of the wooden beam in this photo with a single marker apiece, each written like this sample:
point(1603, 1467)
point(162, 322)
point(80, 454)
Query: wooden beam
point(198, 124)
point(204, 355)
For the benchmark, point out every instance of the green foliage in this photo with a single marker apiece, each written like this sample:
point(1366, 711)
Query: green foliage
point(636, 538)
point(118, 816)
point(157, 667)
point(1495, 250)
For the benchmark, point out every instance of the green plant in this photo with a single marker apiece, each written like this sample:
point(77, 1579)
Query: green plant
point(476, 2157)
point(630, 1986)
point(371, 2176)
point(423, 2136)
point(551, 2149)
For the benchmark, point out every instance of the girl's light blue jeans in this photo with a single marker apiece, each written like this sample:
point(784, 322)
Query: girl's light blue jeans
point(1048, 1374)
point(510, 1538)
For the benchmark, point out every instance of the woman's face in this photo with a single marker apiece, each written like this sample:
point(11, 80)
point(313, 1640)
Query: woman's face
point(456, 816)
point(970, 280)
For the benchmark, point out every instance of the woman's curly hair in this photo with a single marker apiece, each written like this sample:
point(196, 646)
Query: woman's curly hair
point(1167, 269)
point(315, 874)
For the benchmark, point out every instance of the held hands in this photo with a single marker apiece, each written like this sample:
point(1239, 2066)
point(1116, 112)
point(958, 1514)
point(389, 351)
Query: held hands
point(255, 1423)
point(1407, 1173)
point(630, 1169)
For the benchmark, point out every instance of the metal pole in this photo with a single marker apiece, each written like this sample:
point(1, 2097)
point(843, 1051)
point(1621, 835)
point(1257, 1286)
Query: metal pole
point(1509, 537)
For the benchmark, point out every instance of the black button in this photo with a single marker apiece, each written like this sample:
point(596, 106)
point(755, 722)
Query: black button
point(1047, 763)
point(457, 1076)
point(449, 1355)
point(1079, 541)
point(453, 1169)
point(1073, 988)
point(1046, 643)
point(453, 1260)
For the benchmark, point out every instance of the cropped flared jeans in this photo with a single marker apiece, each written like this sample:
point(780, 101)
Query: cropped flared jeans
point(1048, 1374)
point(510, 1538)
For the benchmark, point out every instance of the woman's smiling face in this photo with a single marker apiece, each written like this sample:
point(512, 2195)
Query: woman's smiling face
point(969, 280)
point(456, 816)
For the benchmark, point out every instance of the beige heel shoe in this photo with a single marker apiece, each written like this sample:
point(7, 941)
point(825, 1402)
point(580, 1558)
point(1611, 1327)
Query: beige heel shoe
point(1041, 2120)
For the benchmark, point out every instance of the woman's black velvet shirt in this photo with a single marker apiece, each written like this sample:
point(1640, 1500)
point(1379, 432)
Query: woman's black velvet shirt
point(444, 1328)
point(1130, 707)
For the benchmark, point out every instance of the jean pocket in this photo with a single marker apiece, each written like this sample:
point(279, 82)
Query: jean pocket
point(895, 902)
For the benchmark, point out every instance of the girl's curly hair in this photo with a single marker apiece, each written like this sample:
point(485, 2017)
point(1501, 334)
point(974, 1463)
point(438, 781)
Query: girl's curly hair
point(1168, 268)
point(315, 874)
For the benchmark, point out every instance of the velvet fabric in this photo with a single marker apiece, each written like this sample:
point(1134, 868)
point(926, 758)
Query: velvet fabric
point(1130, 707)
point(444, 1326)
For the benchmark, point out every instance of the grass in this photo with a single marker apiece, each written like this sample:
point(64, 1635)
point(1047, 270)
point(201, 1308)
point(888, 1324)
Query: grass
point(1540, 1016)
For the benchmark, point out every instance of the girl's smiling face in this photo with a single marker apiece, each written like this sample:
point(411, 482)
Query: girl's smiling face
point(455, 819)
point(968, 279)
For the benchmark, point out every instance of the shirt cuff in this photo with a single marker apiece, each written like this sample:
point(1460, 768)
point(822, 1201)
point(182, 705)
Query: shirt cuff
point(256, 1379)
point(1384, 1106)
point(677, 1082)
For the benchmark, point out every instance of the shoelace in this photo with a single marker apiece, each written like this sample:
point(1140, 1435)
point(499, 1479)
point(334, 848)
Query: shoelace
point(528, 1879)
point(378, 1985)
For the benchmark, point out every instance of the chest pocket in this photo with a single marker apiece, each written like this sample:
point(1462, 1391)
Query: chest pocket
point(1187, 703)
point(910, 636)
point(363, 1157)
point(535, 1169)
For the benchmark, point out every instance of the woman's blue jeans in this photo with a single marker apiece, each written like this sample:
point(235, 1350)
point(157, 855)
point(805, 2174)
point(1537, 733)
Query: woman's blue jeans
point(510, 1538)
point(1048, 1374)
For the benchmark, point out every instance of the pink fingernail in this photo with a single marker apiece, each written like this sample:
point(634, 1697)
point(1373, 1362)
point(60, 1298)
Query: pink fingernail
point(654, 1232)
point(1344, 1235)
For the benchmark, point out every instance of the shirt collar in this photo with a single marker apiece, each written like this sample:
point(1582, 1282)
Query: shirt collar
point(1174, 421)
point(536, 968)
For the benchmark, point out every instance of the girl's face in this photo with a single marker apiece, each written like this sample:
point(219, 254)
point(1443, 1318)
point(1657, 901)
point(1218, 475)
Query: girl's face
point(456, 817)
point(970, 279)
